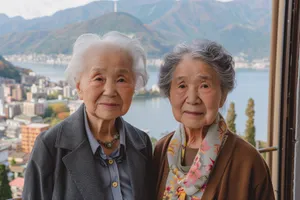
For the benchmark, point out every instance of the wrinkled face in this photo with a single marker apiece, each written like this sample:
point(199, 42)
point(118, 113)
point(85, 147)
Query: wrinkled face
point(108, 82)
point(195, 93)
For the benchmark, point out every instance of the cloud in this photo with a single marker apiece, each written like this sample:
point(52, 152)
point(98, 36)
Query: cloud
point(37, 8)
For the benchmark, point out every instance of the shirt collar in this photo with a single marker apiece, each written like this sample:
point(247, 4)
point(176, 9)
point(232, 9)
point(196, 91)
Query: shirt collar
point(94, 143)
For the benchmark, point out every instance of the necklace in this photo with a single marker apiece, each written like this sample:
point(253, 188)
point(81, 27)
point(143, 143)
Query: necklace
point(109, 145)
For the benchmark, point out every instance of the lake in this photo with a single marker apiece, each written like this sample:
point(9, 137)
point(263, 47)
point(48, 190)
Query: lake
point(156, 116)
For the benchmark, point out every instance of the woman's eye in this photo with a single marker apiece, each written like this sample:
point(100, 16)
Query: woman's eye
point(121, 80)
point(205, 86)
point(181, 86)
point(98, 79)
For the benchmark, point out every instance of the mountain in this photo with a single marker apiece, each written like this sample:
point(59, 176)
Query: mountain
point(145, 10)
point(69, 16)
point(263, 4)
point(232, 24)
point(3, 18)
point(8, 70)
point(240, 25)
point(57, 20)
point(148, 12)
point(61, 40)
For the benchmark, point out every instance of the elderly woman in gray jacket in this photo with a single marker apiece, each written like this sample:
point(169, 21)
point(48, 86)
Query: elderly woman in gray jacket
point(95, 154)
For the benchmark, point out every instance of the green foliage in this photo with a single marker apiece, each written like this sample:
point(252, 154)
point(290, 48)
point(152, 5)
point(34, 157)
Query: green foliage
point(55, 113)
point(13, 162)
point(5, 192)
point(250, 127)
point(153, 141)
point(49, 112)
point(52, 96)
point(8, 70)
point(59, 107)
point(47, 120)
point(55, 121)
point(230, 118)
point(63, 115)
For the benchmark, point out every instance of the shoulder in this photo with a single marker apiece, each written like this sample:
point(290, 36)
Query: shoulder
point(243, 148)
point(247, 156)
point(137, 137)
point(162, 146)
point(134, 130)
point(164, 141)
point(49, 137)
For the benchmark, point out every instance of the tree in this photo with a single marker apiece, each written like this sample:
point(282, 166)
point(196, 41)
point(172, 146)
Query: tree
point(153, 141)
point(250, 127)
point(230, 118)
point(59, 107)
point(63, 115)
point(5, 192)
point(52, 96)
point(55, 121)
point(13, 162)
point(48, 112)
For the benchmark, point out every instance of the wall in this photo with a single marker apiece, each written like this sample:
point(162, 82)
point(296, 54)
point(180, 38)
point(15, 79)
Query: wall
point(297, 145)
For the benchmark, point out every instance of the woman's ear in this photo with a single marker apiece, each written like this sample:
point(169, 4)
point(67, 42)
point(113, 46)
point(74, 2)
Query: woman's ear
point(79, 91)
point(223, 99)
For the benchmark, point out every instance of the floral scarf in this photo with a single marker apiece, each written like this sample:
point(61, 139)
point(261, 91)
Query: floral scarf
point(191, 185)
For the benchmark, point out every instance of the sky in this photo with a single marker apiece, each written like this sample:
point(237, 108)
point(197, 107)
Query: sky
point(36, 8)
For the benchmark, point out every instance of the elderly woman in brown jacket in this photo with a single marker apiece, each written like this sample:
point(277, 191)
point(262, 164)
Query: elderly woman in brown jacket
point(202, 159)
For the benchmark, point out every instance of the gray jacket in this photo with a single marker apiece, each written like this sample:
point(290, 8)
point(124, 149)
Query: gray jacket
point(62, 165)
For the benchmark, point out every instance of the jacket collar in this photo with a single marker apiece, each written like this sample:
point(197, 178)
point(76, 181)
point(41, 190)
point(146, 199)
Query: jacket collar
point(221, 165)
point(73, 132)
point(80, 162)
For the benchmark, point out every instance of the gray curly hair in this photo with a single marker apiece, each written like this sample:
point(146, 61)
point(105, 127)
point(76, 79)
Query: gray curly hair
point(208, 51)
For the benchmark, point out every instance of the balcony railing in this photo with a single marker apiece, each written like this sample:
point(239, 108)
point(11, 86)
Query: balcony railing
point(267, 149)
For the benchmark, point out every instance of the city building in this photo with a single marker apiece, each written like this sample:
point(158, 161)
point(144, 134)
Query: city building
point(67, 91)
point(2, 131)
point(42, 83)
point(13, 128)
point(1, 107)
point(18, 162)
point(33, 108)
point(33, 96)
point(12, 109)
point(19, 157)
point(34, 89)
point(27, 79)
point(16, 186)
point(7, 89)
point(14, 143)
point(17, 93)
point(29, 134)
point(4, 153)
point(155, 88)
point(2, 97)
point(28, 119)
point(2, 126)
point(55, 90)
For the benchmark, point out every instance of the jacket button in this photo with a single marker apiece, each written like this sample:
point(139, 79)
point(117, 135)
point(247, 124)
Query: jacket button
point(115, 184)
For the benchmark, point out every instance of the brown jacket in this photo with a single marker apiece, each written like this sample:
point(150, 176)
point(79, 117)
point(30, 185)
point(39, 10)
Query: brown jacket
point(240, 172)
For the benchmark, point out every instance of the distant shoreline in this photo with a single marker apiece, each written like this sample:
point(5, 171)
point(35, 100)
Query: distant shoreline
point(150, 67)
